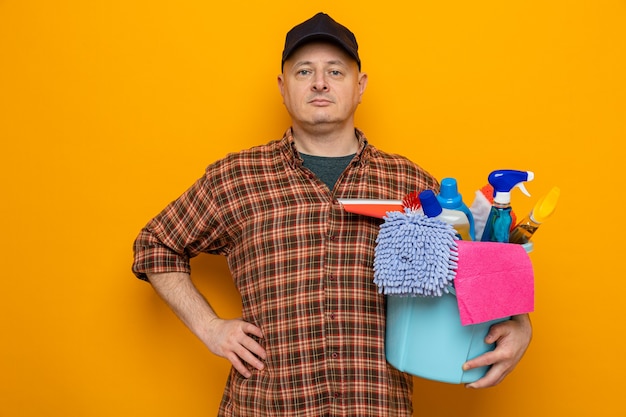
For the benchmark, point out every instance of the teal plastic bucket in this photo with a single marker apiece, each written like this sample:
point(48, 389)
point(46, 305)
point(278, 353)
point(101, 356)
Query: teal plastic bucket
point(425, 338)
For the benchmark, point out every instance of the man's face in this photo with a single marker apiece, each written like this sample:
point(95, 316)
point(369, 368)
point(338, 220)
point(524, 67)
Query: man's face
point(321, 86)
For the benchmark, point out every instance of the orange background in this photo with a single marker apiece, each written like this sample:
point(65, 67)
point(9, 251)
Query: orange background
point(110, 109)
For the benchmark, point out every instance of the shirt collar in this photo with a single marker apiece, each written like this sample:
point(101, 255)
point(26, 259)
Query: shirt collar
point(294, 159)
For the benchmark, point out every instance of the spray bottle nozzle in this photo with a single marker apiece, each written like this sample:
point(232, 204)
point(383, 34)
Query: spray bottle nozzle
point(523, 189)
point(504, 180)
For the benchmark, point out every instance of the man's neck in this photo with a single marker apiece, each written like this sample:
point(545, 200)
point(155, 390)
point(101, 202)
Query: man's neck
point(318, 142)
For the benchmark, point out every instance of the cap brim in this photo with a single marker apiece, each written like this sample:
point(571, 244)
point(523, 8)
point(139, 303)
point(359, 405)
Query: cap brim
point(320, 37)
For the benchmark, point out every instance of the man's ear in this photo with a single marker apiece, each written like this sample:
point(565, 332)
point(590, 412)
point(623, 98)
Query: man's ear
point(362, 84)
point(281, 84)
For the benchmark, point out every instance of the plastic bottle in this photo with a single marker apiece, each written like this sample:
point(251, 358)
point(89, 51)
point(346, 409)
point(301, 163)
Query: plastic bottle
point(432, 208)
point(543, 209)
point(480, 208)
point(450, 198)
point(498, 226)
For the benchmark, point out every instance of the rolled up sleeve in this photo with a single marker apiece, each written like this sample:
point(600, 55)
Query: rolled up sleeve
point(188, 226)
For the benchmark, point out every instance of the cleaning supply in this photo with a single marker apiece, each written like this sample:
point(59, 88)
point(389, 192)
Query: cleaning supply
point(498, 226)
point(432, 208)
point(412, 202)
point(414, 255)
point(523, 232)
point(480, 208)
point(501, 287)
point(432, 326)
point(433, 337)
point(450, 198)
point(370, 207)
point(424, 337)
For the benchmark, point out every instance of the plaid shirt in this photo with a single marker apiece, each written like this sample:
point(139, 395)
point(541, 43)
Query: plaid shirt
point(303, 267)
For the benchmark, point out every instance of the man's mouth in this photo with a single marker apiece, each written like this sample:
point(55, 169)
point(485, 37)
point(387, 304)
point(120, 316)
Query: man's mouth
point(320, 101)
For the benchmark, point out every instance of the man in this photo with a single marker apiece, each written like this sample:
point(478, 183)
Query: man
point(311, 338)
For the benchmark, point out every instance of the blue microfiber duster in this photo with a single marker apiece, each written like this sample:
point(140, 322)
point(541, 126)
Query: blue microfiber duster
point(415, 255)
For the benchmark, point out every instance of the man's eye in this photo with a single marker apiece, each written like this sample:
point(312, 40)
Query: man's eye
point(304, 72)
point(335, 73)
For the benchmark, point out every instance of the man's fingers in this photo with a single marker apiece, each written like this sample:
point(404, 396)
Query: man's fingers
point(485, 359)
point(493, 377)
point(239, 365)
point(250, 328)
point(235, 341)
point(254, 347)
point(250, 358)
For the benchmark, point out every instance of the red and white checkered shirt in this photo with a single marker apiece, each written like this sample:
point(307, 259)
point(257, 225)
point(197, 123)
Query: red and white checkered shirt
point(303, 267)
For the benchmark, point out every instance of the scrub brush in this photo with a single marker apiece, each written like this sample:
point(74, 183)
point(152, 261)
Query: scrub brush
point(415, 255)
point(412, 201)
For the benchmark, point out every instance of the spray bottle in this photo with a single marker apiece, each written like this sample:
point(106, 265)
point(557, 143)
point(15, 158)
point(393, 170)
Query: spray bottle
point(541, 211)
point(432, 208)
point(498, 224)
point(450, 198)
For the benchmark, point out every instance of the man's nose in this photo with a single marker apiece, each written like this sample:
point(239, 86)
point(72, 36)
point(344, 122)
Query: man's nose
point(319, 83)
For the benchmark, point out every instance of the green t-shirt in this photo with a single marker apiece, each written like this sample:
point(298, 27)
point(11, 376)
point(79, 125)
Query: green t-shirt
point(327, 168)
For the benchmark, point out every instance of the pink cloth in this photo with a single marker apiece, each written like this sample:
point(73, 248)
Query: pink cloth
point(493, 280)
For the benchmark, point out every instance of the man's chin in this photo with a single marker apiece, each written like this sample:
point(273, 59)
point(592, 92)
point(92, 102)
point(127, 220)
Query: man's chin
point(323, 124)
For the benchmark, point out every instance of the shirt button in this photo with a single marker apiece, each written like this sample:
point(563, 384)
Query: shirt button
point(331, 277)
point(335, 355)
point(337, 394)
point(332, 316)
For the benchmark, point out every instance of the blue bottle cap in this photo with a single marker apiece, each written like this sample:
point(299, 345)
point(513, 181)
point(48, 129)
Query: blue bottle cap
point(449, 194)
point(430, 205)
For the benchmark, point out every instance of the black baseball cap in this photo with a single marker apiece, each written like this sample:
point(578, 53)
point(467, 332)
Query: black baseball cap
point(321, 27)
